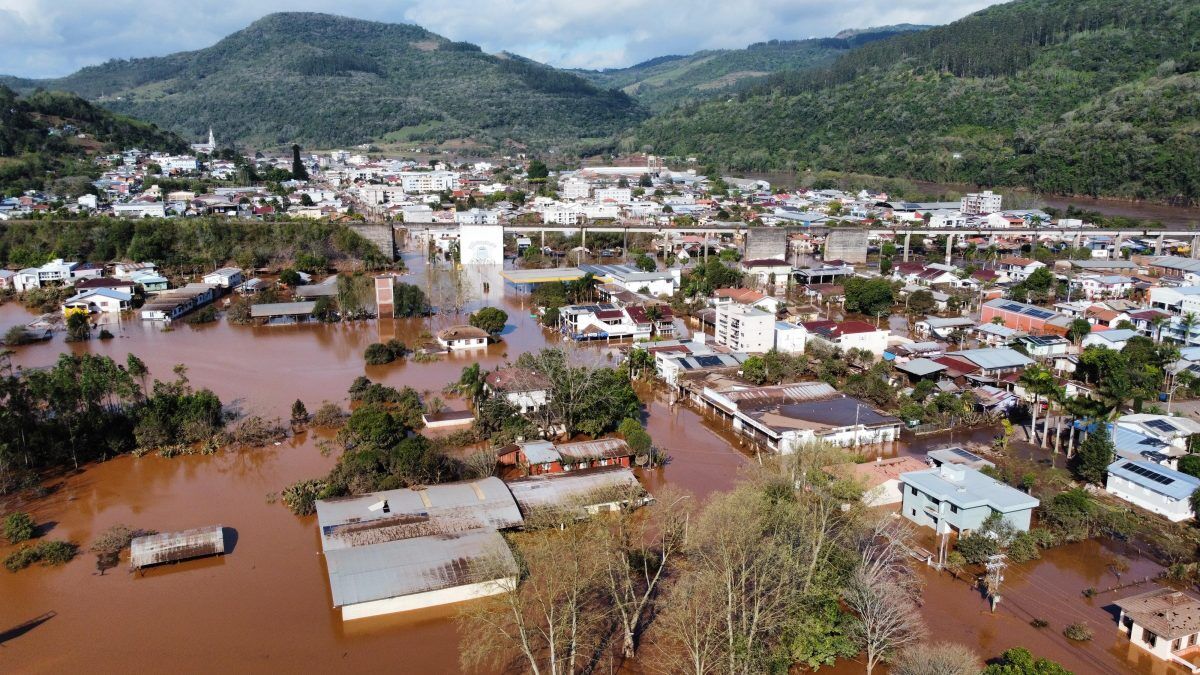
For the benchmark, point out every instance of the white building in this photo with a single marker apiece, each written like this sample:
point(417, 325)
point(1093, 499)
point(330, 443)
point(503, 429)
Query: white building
point(981, 203)
point(618, 195)
point(462, 337)
point(790, 338)
point(745, 329)
point(574, 188)
point(1153, 487)
point(1164, 622)
point(428, 181)
point(54, 272)
point(99, 300)
point(140, 210)
point(481, 245)
point(226, 277)
point(477, 217)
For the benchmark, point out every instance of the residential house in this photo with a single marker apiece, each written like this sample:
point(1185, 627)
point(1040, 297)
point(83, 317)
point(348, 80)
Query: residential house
point(542, 457)
point(224, 278)
point(55, 272)
point(942, 327)
point(524, 389)
point(1115, 339)
point(1018, 269)
point(1153, 487)
point(1102, 286)
point(746, 296)
point(787, 417)
point(767, 271)
point(790, 338)
point(100, 300)
point(1164, 622)
point(847, 335)
point(462, 337)
point(631, 278)
point(956, 498)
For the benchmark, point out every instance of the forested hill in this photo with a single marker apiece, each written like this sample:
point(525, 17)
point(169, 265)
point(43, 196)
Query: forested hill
point(1091, 97)
point(49, 134)
point(323, 80)
point(666, 81)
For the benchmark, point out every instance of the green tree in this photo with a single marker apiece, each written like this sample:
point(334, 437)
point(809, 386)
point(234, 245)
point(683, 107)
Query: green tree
point(290, 277)
point(299, 412)
point(873, 297)
point(645, 263)
point(299, 172)
point(921, 302)
point(1094, 456)
point(537, 171)
point(1078, 330)
point(1019, 661)
point(489, 319)
point(1190, 464)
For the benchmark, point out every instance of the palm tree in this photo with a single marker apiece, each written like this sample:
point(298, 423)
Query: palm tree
point(1055, 396)
point(1157, 323)
point(1036, 380)
point(1188, 321)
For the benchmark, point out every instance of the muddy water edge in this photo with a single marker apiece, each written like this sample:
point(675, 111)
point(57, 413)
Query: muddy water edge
point(265, 606)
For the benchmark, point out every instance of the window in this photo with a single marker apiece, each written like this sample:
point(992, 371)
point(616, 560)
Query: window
point(1176, 644)
point(953, 508)
point(1192, 640)
point(1149, 637)
point(913, 512)
point(914, 490)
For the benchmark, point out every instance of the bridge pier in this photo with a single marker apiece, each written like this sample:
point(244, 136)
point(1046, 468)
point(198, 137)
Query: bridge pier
point(907, 242)
point(583, 237)
point(1078, 239)
point(949, 247)
point(1158, 245)
point(1117, 245)
point(543, 239)
point(1195, 252)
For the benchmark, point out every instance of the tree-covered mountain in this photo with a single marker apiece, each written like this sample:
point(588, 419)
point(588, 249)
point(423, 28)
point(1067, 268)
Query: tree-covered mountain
point(324, 80)
point(48, 135)
point(664, 82)
point(1090, 97)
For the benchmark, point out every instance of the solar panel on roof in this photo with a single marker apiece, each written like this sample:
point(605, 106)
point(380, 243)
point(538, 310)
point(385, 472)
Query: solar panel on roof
point(1161, 425)
point(966, 454)
point(1012, 307)
point(1152, 475)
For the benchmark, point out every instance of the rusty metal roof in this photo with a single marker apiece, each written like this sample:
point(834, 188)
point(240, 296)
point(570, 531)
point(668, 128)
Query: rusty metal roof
point(573, 489)
point(392, 515)
point(166, 547)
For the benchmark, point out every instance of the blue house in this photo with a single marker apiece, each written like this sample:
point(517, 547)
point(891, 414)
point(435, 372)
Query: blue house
point(955, 498)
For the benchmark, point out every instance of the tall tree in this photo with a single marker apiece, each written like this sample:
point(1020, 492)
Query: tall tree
point(299, 171)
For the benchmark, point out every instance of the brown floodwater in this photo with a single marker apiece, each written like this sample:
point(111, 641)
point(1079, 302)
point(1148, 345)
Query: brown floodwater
point(265, 606)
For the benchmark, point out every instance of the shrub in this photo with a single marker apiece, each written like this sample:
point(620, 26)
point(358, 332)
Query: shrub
point(48, 553)
point(489, 319)
point(382, 353)
point(18, 527)
point(257, 431)
point(1039, 623)
point(1078, 632)
point(299, 412)
point(1023, 548)
point(206, 314)
point(329, 415)
point(301, 497)
point(16, 336)
point(105, 334)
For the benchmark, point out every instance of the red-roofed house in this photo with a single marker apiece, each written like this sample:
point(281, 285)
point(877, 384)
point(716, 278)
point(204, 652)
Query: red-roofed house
point(847, 335)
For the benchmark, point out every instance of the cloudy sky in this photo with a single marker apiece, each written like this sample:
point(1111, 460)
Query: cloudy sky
point(47, 38)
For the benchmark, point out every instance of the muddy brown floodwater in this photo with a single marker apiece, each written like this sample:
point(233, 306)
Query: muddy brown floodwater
point(265, 606)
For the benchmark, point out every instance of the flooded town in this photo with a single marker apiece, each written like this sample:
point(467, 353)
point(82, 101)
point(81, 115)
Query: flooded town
point(337, 344)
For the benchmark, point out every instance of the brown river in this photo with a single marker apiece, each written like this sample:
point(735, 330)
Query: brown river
point(266, 607)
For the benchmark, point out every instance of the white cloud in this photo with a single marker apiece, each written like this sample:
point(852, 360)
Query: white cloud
point(44, 38)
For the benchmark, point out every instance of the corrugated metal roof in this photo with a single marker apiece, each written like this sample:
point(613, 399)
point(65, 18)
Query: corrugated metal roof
point(602, 448)
point(801, 391)
point(173, 546)
point(576, 488)
point(270, 309)
point(397, 568)
point(994, 357)
point(435, 510)
point(921, 367)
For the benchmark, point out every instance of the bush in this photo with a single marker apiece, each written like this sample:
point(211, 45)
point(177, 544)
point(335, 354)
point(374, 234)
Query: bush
point(48, 553)
point(1023, 548)
point(105, 334)
point(977, 547)
point(257, 432)
point(382, 353)
point(489, 319)
point(1078, 632)
point(206, 314)
point(16, 336)
point(1039, 623)
point(301, 497)
point(329, 415)
point(18, 527)
point(299, 412)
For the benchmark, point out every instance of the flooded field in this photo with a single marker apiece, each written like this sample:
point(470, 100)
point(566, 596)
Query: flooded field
point(266, 604)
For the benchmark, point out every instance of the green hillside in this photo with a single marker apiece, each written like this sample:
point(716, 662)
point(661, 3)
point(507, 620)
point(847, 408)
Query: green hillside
point(666, 81)
point(47, 135)
point(1090, 97)
point(322, 80)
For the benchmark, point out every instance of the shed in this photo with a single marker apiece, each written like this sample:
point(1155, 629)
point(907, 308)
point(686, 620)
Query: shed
point(167, 547)
point(590, 490)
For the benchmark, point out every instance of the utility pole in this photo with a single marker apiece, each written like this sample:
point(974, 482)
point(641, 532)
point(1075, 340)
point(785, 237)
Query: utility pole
point(995, 575)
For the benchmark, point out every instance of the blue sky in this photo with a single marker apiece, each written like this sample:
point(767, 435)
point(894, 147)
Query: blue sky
point(49, 38)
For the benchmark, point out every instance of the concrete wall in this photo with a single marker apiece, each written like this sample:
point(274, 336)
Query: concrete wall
point(848, 245)
point(444, 596)
point(766, 243)
point(383, 236)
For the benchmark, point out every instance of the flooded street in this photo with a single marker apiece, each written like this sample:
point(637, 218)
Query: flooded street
point(266, 604)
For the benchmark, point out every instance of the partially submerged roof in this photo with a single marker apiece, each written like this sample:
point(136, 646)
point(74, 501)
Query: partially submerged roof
point(461, 333)
point(390, 515)
point(1156, 478)
point(273, 309)
point(407, 566)
point(166, 547)
point(573, 489)
point(1166, 612)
